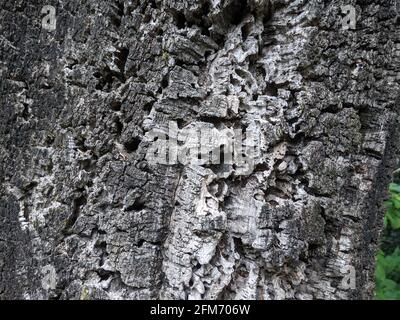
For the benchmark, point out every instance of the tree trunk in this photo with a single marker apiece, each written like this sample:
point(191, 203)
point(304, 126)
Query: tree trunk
point(85, 214)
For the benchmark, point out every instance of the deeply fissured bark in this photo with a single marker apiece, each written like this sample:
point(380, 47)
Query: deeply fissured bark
point(84, 215)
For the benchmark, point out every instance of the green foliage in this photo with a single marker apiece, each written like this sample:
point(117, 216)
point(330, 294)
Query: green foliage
point(392, 218)
point(387, 273)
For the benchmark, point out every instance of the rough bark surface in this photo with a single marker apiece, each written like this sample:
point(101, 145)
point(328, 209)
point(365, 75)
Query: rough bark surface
point(83, 215)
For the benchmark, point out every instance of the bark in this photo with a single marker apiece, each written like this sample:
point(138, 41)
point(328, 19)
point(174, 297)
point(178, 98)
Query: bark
point(84, 215)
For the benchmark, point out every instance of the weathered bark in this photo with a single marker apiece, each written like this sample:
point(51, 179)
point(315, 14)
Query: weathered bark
point(84, 215)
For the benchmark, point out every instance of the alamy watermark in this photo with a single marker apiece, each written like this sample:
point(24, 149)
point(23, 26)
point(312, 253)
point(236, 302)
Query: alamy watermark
point(349, 279)
point(204, 145)
point(349, 20)
point(49, 21)
point(49, 280)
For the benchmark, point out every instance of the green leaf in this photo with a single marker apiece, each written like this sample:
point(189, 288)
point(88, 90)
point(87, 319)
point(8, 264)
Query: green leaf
point(380, 273)
point(394, 187)
point(387, 272)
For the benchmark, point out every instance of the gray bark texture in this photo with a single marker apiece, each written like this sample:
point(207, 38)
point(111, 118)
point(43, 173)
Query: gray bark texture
point(84, 215)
